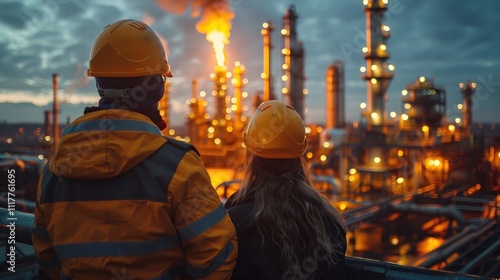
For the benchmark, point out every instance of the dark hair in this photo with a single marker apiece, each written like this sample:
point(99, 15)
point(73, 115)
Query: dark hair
point(300, 215)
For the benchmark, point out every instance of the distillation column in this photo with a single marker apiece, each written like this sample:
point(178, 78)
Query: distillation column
point(468, 90)
point(377, 73)
point(378, 76)
point(294, 63)
point(267, 29)
point(335, 96)
point(238, 83)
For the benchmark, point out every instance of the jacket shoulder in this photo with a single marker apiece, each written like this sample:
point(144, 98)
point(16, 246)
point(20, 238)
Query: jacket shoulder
point(181, 145)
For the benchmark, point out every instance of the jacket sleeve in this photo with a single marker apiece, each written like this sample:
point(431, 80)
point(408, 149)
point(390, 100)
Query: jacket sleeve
point(44, 251)
point(207, 235)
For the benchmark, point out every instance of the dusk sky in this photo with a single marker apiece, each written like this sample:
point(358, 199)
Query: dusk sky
point(450, 41)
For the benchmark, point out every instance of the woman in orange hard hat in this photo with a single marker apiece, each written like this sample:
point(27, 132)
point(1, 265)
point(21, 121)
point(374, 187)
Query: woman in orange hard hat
point(286, 229)
point(118, 200)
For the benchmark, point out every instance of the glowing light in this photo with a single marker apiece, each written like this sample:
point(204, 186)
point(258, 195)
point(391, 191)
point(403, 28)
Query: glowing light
point(458, 120)
point(343, 206)
point(376, 160)
point(244, 94)
point(309, 155)
point(383, 47)
point(395, 241)
point(425, 128)
point(386, 28)
point(473, 85)
point(203, 93)
point(373, 81)
point(284, 32)
point(362, 105)
point(400, 153)
point(284, 78)
point(451, 128)
point(460, 106)
point(171, 131)
point(352, 178)
point(392, 114)
point(404, 117)
point(234, 107)
point(374, 115)
point(10, 140)
point(217, 141)
point(319, 129)
point(437, 162)
point(364, 49)
point(400, 180)
point(284, 90)
point(40, 157)
point(265, 25)
point(215, 122)
point(229, 129)
point(326, 145)
point(263, 75)
point(305, 91)
point(391, 67)
point(421, 79)
point(461, 85)
point(211, 129)
point(374, 67)
point(404, 92)
point(362, 69)
point(284, 66)
point(352, 171)
point(322, 158)
point(308, 130)
point(407, 106)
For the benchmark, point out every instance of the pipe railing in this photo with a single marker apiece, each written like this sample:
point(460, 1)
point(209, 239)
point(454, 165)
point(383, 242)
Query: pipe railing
point(356, 268)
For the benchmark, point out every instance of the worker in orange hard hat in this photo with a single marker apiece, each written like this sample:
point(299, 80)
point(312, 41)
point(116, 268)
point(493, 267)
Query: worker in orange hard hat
point(117, 198)
point(286, 229)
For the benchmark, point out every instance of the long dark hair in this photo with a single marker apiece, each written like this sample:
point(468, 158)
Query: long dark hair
point(300, 215)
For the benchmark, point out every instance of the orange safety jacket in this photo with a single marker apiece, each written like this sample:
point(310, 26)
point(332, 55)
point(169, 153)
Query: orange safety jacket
point(120, 201)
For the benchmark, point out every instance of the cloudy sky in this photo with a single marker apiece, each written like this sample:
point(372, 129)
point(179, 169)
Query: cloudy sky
point(447, 40)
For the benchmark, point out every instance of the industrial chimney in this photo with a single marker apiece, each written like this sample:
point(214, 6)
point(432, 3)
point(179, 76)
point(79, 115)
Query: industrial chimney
point(294, 63)
point(55, 111)
point(335, 96)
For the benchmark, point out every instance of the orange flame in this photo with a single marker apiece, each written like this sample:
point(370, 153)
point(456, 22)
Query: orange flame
point(215, 21)
point(217, 39)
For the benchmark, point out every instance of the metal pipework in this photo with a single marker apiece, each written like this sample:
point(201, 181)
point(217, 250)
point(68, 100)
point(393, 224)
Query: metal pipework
point(447, 211)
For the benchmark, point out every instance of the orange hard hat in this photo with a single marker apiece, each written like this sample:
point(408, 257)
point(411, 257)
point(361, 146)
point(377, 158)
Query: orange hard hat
point(128, 48)
point(275, 130)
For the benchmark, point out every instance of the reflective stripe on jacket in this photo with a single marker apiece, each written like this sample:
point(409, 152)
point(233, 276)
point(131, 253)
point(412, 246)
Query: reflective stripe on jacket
point(158, 218)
